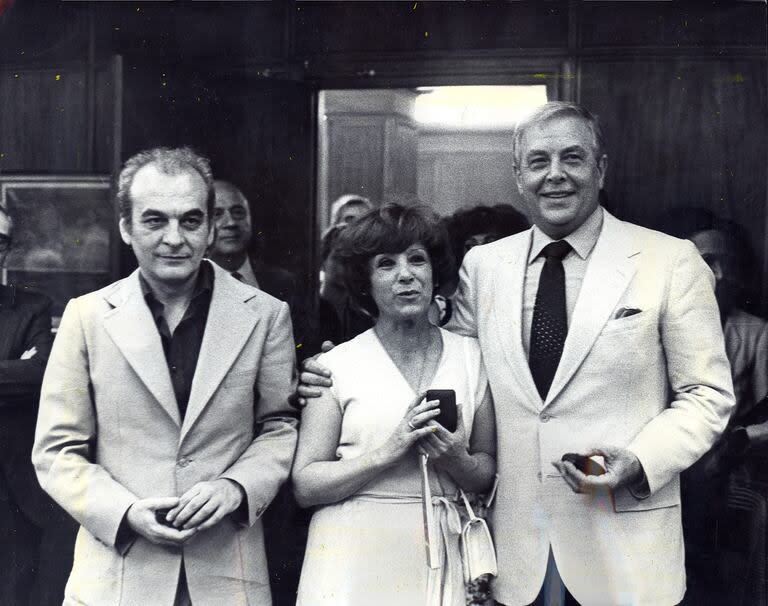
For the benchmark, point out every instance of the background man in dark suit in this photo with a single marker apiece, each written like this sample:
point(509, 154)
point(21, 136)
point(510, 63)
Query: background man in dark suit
point(25, 510)
point(285, 525)
point(231, 251)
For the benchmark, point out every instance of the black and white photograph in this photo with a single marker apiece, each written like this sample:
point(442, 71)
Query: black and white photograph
point(383, 303)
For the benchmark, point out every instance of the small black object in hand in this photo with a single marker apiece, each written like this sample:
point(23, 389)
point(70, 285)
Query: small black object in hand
point(584, 464)
point(160, 517)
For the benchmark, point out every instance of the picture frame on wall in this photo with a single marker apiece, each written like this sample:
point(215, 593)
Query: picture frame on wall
point(64, 238)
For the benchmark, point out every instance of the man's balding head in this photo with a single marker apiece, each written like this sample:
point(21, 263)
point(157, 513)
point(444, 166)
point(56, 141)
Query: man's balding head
point(169, 161)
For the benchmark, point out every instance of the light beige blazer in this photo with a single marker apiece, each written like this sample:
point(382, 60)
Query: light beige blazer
point(656, 382)
point(109, 433)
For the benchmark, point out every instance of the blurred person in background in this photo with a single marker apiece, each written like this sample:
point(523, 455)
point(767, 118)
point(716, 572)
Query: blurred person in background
point(727, 486)
point(36, 535)
point(231, 249)
point(347, 208)
point(470, 227)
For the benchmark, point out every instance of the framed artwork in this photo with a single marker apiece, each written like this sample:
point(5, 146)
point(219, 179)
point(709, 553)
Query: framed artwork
point(64, 235)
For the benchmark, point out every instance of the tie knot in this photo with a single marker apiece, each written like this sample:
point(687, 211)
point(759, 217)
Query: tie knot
point(556, 250)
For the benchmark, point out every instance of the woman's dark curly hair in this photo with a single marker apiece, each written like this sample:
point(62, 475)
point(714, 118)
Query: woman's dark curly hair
point(390, 229)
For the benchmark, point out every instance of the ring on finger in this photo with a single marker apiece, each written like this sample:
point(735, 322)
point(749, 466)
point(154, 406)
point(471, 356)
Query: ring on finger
point(411, 425)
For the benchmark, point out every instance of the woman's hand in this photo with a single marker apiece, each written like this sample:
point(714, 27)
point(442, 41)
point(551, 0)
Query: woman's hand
point(415, 425)
point(442, 446)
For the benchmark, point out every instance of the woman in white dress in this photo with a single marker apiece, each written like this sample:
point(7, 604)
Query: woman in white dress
point(360, 443)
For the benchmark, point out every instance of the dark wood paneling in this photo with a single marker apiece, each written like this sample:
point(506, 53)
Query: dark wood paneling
point(684, 132)
point(43, 120)
point(104, 119)
point(186, 31)
point(334, 27)
point(672, 24)
point(42, 30)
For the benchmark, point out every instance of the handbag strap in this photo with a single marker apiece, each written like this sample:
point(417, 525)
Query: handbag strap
point(488, 501)
point(470, 511)
point(433, 558)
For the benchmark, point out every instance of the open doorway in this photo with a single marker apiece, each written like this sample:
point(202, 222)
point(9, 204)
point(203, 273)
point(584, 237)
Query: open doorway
point(447, 146)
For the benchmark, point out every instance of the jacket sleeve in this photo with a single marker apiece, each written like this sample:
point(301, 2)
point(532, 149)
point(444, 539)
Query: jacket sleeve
point(266, 463)
point(22, 378)
point(698, 374)
point(66, 435)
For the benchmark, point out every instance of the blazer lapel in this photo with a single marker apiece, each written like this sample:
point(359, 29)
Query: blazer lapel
point(507, 291)
point(132, 328)
point(610, 269)
point(228, 328)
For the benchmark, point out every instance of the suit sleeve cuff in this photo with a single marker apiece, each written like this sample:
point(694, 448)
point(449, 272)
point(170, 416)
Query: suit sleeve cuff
point(125, 535)
point(240, 515)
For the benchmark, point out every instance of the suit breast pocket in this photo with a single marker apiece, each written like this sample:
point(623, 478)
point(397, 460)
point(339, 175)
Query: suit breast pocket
point(243, 378)
point(626, 347)
point(627, 323)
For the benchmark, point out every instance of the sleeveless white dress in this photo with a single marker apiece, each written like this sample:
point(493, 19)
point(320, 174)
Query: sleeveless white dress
point(370, 548)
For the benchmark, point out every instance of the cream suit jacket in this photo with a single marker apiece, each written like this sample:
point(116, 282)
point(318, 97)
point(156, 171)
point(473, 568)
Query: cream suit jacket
point(109, 433)
point(656, 382)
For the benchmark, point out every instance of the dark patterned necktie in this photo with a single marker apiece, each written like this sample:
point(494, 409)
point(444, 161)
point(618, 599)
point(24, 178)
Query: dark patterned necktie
point(550, 318)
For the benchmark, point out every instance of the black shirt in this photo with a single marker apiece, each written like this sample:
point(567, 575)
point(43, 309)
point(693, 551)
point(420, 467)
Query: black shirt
point(182, 348)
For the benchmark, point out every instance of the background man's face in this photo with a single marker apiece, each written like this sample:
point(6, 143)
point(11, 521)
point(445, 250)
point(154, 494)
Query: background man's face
point(233, 223)
point(6, 229)
point(169, 231)
point(559, 176)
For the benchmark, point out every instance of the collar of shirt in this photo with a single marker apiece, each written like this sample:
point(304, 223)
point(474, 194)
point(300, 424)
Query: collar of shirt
point(582, 239)
point(202, 292)
point(247, 272)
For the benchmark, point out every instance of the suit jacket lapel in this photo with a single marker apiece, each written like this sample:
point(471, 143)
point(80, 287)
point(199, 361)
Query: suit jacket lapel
point(610, 269)
point(229, 326)
point(132, 328)
point(508, 310)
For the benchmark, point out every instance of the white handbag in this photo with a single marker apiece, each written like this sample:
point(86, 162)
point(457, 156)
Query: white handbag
point(478, 554)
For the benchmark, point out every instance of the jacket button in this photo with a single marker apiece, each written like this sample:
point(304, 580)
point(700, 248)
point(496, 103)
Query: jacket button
point(544, 417)
point(182, 462)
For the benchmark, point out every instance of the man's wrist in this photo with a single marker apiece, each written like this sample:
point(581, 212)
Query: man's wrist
point(236, 491)
point(239, 511)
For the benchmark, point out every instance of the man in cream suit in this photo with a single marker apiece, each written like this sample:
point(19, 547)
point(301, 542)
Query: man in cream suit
point(625, 363)
point(164, 425)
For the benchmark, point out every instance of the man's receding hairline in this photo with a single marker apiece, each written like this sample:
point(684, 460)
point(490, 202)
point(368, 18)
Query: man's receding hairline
point(565, 116)
point(186, 169)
